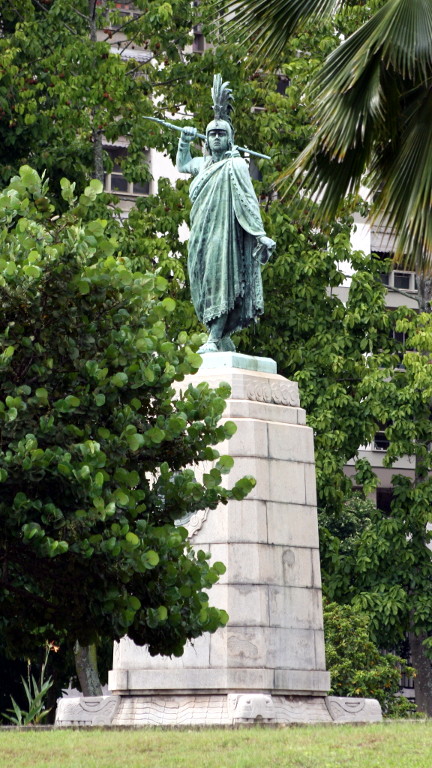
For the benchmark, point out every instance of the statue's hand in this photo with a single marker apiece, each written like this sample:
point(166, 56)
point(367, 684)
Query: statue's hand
point(188, 133)
point(267, 250)
point(268, 242)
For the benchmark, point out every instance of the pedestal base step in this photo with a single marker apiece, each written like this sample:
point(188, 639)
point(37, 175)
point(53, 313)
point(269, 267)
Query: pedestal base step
point(215, 709)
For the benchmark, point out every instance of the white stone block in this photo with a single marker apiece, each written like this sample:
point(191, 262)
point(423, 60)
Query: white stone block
point(271, 648)
point(131, 656)
point(246, 604)
point(118, 680)
point(247, 521)
point(296, 607)
point(347, 710)
point(259, 469)
point(248, 564)
point(265, 564)
point(286, 482)
point(291, 649)
point(249, 440)
point(301, 416)
point(320, 649)
point(258, 679)
point(250, 385)
point(195, 680)
point(302, 680)
point(86, 710)
point(239, 647)
point(291, 443)
point(301, 709)
point(316, 568)
point(292, 524)
point(249, 409)
point(310, 483)
point(297, 566)
point(239, 521)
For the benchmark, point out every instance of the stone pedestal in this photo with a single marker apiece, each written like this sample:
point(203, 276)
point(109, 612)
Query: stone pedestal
point(268, 663)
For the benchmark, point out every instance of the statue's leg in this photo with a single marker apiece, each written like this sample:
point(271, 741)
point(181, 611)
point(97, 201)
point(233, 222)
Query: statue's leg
point(226, 344)
point(216, 328)
point(217, 335)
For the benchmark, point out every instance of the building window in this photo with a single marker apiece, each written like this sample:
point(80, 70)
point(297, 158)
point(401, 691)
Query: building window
point(199, 43)
point(380, 443)
point(282, 84)
point(116, 182)
point(402, 280)
point(384, 497)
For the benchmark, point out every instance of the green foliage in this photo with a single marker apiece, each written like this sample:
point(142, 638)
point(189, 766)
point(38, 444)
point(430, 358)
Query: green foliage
point(334, 349)
point(382, 563)
point(35, 699)
point(357, 667)
point(35, 692)
point(96, 447)
point(61, 88)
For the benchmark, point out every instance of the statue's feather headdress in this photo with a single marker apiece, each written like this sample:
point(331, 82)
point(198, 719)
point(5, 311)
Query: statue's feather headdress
point(222, 99)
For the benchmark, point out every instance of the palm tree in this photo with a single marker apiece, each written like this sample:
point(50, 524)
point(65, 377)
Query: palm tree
point(372, 113)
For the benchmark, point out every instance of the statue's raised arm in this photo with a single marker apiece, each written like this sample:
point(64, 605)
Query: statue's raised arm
point(227, 243)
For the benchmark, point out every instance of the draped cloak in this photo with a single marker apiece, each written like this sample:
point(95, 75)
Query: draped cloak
point(224, 274)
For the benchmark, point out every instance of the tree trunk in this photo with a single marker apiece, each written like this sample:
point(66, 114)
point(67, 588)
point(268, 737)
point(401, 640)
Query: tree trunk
point(424, 289)
point(98, 168)
point(423, 666)
point(86, 668)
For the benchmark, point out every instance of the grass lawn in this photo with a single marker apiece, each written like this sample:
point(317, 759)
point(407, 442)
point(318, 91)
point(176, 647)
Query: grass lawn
point(387, 745)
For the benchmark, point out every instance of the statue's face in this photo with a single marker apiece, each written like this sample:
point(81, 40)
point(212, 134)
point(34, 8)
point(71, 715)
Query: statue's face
point(217, 139)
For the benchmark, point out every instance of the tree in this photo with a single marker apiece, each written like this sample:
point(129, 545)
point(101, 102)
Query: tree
point(382, 563)
point(63, 87)
point(357, 667)
point(96, 450)
point(372, 110)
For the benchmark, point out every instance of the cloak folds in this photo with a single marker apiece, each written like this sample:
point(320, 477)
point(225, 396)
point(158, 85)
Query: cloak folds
point(224, 275)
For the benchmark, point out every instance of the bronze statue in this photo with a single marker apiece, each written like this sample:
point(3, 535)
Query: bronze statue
point(227, 243)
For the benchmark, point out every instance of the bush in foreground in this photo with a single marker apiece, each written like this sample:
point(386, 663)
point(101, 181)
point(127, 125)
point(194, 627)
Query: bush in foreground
point(96, 449)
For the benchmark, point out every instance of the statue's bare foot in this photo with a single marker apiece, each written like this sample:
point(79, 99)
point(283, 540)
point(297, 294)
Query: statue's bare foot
point(226, 344)
point(209, 346)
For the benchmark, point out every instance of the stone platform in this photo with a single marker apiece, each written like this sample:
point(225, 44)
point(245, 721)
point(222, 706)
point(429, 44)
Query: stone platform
point(268, 663)
point(214, 710)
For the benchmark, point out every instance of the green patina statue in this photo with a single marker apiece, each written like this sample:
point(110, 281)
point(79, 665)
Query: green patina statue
point(227, 243)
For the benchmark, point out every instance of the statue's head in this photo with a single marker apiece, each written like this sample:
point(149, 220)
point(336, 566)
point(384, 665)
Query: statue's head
point(221, 130)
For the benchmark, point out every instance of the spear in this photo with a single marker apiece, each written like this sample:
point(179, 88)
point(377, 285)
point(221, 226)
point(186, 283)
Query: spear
point(201, 136)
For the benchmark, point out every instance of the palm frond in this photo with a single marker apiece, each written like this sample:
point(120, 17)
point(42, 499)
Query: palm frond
point(405, 197)
point(268, 24)
point(372, 112)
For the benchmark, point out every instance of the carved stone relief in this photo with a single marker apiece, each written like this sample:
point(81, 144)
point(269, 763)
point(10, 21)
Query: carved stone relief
point(280, 394)
point(91, 710)
point(250, 706)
